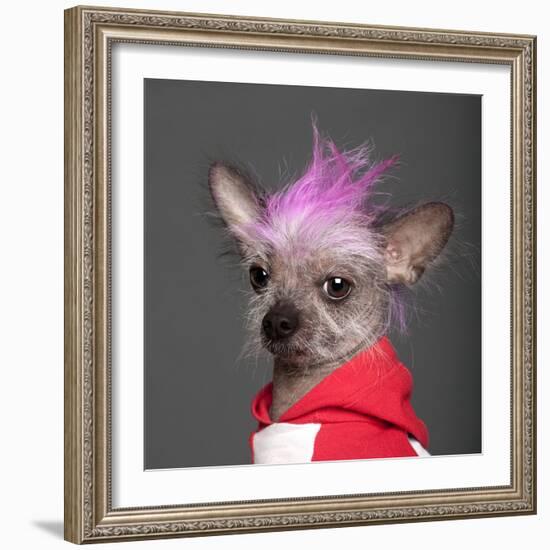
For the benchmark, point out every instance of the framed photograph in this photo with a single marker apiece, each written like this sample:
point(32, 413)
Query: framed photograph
point(299, 274)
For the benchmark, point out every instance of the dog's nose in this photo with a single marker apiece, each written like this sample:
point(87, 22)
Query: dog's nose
point(280, 322)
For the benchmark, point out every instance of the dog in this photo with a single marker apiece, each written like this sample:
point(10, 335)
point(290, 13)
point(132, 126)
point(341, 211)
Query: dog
point(326, 263)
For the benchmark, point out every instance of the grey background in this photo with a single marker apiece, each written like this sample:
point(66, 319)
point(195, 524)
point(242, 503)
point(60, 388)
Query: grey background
point(197, 387)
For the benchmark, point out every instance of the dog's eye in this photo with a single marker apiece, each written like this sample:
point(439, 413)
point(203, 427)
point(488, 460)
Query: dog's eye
point(258, 278)
point(337, 288)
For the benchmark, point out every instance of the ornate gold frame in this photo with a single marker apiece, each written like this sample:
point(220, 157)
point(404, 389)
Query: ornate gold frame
point(89, 35)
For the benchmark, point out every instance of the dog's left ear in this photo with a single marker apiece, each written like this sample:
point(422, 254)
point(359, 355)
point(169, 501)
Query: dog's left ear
point(415, 239)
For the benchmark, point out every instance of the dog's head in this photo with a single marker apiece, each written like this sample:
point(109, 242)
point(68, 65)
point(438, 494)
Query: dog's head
point(322, 266)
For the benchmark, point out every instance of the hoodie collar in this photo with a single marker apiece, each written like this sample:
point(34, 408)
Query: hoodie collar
point(372, 385)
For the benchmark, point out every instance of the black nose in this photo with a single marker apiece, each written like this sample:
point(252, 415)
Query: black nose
point(281, 321)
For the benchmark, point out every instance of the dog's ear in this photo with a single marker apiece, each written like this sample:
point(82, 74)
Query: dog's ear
point(415, 239)
point(236, 197)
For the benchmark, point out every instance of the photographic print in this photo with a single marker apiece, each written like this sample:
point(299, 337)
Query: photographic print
point(299, 274)
point(302, 340)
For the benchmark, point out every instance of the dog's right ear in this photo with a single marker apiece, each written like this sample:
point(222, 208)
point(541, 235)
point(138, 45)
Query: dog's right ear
point(236, 199)
point(415, 239)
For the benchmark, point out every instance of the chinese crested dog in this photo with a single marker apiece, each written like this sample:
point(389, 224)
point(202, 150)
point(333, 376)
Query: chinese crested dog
point(326, 266)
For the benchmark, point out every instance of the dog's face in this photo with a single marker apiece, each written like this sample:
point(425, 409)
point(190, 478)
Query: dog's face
point(321, 269)
point(314, 305)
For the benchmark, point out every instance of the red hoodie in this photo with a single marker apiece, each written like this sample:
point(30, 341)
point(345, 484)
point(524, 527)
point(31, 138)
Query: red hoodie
point(360, 410)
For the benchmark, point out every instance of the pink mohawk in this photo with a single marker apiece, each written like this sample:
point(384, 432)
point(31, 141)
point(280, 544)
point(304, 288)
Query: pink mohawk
point(333, 191)
point(334, 180)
